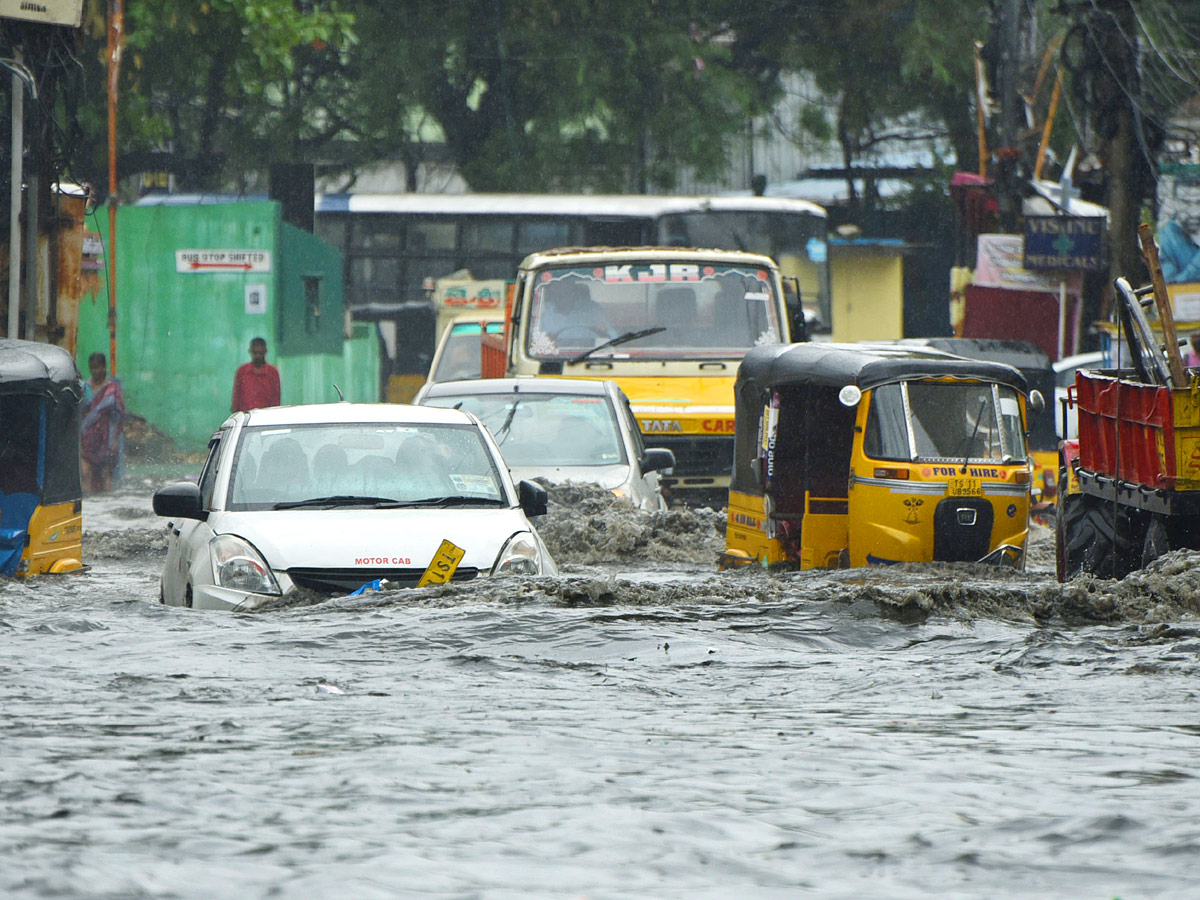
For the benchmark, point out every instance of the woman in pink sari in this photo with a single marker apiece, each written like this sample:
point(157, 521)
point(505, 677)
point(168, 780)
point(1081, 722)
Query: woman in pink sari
point(100, 433)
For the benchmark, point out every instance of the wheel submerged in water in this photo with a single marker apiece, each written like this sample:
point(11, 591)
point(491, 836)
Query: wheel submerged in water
point(1097, 537)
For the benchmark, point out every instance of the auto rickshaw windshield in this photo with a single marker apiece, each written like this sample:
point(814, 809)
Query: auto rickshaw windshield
point(933, 421)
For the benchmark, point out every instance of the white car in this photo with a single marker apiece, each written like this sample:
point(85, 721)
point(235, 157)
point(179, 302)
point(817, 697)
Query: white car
point(1064, 378)
point(563, 429)
point(334, 497)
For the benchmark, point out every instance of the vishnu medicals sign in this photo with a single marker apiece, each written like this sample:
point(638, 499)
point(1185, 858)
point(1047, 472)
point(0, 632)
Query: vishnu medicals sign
point(48, 12)
point(1065, 242)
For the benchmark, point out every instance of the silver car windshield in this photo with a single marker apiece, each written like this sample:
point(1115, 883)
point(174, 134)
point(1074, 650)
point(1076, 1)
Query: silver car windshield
point(546, 429)
point(339, 465)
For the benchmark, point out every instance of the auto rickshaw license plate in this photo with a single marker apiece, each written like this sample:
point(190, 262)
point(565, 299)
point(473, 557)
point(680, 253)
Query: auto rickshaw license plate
point(445, 561)
point(965, 487)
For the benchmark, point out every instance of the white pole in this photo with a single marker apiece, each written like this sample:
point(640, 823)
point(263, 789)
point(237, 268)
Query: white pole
point(1062, 318)
point(14, 216)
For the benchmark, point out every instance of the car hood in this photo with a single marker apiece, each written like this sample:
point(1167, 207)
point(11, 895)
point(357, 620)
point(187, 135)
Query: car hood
point(373, 538)
point(607, 477)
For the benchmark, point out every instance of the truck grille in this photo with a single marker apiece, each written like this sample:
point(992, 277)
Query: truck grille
point(708, 456)
point(343, 581)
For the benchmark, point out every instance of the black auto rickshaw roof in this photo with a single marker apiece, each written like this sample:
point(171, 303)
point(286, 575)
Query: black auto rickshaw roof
point(866, 366)
point(30, 367)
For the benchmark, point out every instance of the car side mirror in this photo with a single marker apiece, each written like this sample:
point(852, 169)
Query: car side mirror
point(1036, 401)
point(180, 500)
point(797, 324)
point(656, 459)
point(533, 498)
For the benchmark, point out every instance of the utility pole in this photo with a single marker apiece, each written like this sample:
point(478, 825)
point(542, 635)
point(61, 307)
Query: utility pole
point(1117, 80)
point(116, 25)
point(14, 196)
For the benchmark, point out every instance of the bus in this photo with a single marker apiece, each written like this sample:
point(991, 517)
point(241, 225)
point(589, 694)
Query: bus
point(397, 245)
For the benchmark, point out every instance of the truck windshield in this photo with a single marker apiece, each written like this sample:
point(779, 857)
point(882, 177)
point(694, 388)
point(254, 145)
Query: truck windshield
point(938, 421)
point(705, 311)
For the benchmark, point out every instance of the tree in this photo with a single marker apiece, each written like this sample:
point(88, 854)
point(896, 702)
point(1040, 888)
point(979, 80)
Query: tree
point(530, 94)
point(212, 89)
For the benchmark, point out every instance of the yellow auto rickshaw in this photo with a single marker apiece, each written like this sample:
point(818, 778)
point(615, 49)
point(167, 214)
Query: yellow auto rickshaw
point(41, 525)
point(848, 455)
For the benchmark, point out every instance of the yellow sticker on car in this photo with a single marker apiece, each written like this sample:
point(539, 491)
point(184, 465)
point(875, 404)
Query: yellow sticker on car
point(445, 561)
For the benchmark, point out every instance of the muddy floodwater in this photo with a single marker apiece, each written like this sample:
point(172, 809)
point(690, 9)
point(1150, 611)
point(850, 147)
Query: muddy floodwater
point(641, 727)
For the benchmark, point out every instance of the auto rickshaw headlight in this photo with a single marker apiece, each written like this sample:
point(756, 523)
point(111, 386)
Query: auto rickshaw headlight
point(849, 395)
point(238, 566)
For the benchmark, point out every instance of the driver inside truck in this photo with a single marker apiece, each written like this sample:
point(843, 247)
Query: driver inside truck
point(567, 306)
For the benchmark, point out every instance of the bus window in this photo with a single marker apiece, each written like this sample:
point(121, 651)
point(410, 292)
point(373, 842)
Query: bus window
point(535, 236)
point(432, 235)
point(488, 235)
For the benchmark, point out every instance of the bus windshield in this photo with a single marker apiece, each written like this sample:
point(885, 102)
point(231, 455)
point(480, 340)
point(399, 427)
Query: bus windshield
point(690, 311)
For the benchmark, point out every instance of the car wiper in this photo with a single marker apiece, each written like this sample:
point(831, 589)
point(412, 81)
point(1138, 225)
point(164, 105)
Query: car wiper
point(334, 501)
point(446, 502)
point(619, 339)
point(502, 434)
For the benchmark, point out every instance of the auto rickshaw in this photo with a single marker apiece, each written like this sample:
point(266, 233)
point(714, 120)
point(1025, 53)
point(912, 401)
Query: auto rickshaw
point(848, 455)
point(41, 523)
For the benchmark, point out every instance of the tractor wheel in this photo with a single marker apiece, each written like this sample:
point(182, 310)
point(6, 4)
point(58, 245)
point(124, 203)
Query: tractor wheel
point(1157, 541)
point(1090, 540)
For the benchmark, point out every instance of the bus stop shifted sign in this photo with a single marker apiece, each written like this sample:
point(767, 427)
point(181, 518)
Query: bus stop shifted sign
point(210, 261)
point(1065, 242)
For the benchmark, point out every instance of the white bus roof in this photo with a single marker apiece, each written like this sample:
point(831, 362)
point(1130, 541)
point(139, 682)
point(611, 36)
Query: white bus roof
point(643, 205)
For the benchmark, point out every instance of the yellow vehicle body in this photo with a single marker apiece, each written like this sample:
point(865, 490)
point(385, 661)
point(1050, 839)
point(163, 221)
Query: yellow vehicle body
point(55, 539)
point(670, 325)
point(810, 491)
point(40, 491)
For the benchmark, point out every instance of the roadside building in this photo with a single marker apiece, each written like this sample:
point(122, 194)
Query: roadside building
point(194, 284)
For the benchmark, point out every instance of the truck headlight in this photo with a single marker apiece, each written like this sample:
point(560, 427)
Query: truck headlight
point(238, 566)
point(520, 556)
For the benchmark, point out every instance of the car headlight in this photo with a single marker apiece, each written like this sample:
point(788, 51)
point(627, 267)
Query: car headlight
point(520, 556)
point(238, 566)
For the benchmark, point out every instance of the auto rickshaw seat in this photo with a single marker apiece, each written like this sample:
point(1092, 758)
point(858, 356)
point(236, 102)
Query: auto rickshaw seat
point(15, 511)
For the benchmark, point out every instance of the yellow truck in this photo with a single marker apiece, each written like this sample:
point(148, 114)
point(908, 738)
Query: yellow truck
point(670, 325)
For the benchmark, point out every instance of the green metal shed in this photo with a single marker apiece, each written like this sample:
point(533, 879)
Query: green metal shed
point(194, 284)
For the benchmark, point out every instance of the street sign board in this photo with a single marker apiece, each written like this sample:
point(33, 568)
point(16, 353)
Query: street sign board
point(48, 12)
point(210, 261)
point(1065, 242)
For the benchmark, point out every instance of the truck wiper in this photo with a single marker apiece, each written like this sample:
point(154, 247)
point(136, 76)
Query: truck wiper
point(334, 501)
point(619, 339)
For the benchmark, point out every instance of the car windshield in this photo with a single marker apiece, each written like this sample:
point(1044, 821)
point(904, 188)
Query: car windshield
point(942, 420)
point(546, 430)
point(692, 311)
point(362, 465)
point(460, 358)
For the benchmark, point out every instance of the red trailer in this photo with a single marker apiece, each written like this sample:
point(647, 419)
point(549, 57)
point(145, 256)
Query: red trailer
point(1130, 484)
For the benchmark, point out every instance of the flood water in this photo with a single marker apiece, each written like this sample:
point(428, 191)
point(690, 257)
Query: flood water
point(640, 727)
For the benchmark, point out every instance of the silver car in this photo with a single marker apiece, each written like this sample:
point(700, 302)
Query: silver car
point(562, 429)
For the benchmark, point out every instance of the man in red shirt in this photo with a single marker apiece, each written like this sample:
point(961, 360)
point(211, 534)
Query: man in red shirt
point(256, 383)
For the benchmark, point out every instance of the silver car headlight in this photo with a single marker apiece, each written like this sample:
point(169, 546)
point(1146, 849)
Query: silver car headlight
point(520, 556)
point(238, 566)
